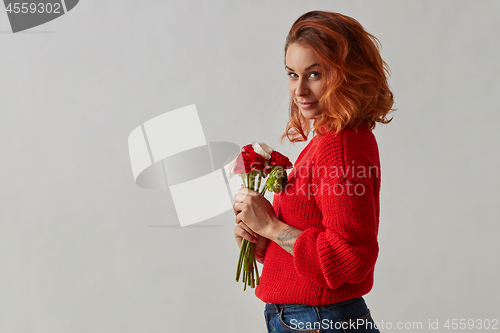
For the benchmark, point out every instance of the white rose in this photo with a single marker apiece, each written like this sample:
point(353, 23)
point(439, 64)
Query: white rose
point(262, 149)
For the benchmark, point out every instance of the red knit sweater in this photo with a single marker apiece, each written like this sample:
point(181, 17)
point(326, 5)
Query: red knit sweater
point(332, 195)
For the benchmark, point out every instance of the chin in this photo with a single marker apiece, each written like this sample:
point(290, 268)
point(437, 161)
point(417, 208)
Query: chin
point(310, 115)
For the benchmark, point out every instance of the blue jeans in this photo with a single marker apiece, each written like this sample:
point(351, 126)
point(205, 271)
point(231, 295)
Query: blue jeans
point(343, 317)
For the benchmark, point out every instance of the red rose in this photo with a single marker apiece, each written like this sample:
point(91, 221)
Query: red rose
point(248, 160)
point(278, 159)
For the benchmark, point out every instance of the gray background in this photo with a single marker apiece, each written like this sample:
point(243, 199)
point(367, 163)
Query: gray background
point(83, 249)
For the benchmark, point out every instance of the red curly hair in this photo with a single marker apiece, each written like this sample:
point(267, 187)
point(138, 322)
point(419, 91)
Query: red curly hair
point(355, 89)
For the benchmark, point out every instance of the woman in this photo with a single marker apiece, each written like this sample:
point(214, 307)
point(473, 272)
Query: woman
point(318, 240)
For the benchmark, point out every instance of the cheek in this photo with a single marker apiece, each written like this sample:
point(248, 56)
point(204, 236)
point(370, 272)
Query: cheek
point(317, 88)
point(291, 88)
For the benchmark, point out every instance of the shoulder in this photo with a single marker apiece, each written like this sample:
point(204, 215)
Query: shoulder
point(346, 143)
point(330, 148)
point(349, 150)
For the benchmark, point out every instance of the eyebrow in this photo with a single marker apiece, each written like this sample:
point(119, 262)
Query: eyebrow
point(315, 64)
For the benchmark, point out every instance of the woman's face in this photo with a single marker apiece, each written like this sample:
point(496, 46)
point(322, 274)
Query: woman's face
point(304, 79)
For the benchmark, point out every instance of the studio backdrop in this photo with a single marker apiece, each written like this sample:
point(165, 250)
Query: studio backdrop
point(87, 244)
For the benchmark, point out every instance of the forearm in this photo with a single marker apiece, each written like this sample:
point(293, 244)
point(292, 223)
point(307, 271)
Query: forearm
point(284, 235)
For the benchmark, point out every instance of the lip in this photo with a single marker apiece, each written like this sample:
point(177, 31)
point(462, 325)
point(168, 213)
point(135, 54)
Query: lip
point(308, 105)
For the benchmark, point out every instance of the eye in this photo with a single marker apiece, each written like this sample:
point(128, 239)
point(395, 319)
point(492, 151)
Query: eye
point(291, 74)
point(314, 74)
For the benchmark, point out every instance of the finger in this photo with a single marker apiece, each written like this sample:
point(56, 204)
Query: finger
point(243, 192)
point(242, 232)
point(237, 208)
point(248, 233)
point(246, 192)
point(240, 220)
point(249, 237)
point(259, 259)
point(239, 197)
point(239, 239)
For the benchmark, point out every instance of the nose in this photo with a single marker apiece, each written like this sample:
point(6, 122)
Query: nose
point(301, 89)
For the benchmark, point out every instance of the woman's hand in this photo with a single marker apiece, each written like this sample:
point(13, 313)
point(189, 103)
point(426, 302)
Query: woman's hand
point(260, 249)
point(255, 211)
point(242, 231)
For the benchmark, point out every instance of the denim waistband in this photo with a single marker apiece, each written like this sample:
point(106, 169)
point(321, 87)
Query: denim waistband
point(348, 302)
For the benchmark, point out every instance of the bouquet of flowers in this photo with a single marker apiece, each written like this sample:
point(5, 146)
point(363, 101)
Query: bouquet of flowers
point(255, 162)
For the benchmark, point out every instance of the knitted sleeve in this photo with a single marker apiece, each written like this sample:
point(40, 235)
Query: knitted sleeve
point(346, 248)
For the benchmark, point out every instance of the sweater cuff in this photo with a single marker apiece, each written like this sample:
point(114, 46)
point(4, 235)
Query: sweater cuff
point(306, 261)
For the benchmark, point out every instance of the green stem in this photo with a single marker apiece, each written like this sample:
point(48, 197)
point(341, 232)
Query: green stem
point(252, 180)
point(251, 260)
point(258, 183)
point(264, 190)
point(243, 179)
point(256, 270)
point(246, 259)
point(246, 269)
point(265, 187)
point(245, 264)
point(244, 245)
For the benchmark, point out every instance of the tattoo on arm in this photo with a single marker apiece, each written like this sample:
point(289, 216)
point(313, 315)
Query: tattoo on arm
point(287, 237)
